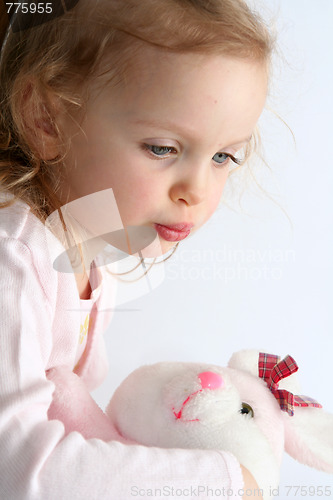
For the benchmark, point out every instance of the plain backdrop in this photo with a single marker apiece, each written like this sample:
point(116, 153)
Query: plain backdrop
point(259, 274)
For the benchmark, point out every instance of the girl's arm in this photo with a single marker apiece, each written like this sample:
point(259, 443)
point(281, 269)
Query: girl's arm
point(250, 485)
point(37, 459)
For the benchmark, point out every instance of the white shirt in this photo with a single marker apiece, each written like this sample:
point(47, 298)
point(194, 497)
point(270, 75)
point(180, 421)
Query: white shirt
point(40, 313)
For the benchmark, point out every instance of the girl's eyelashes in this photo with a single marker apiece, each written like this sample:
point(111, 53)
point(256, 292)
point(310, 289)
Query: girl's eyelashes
point(223, 159)
point(160, 152)
point(163, 152)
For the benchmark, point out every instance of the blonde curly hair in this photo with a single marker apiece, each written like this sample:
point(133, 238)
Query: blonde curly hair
point(60, 58)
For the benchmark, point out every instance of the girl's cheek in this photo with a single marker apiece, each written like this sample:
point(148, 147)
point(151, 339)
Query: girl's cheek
point(215, 199)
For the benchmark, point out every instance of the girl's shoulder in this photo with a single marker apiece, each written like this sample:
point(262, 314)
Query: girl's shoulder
point(28, 247)
point(14, 218)
point(24, 235)
point(18, 222)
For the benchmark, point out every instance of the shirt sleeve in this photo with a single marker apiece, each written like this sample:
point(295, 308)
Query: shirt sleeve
point(38, 460)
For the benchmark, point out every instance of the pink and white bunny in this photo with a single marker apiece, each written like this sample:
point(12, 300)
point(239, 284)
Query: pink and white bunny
point(249, 408)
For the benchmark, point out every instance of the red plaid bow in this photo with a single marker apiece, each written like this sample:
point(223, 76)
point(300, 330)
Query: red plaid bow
point(272, 370)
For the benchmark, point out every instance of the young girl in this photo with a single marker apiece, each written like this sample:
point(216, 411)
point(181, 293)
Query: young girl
point(147, 101)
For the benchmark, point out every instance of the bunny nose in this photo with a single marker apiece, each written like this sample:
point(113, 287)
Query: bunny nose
point(211, 380)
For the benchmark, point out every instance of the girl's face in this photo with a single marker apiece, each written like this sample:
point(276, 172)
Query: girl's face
point(162, 140)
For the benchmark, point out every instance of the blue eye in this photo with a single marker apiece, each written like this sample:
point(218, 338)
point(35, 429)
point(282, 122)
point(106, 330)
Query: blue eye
point(160, 150)
point(221, 157)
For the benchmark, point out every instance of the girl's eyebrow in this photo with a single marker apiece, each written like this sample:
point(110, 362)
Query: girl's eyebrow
point(184, 131)
point(163, 124)
point(240, 143)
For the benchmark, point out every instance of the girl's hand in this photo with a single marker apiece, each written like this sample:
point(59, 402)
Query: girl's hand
point(250, 485)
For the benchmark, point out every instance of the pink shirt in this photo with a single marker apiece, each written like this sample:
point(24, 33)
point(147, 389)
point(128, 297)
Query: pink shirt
point(41, 313)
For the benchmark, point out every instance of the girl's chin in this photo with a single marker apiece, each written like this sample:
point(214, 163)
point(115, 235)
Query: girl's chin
point(158, 248)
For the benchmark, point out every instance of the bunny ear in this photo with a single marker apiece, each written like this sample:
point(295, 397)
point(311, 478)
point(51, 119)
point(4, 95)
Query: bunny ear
point(246, 361)
point(309, 437)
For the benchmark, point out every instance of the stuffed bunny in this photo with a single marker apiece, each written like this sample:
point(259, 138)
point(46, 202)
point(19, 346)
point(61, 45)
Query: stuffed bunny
point(250, 408)
point(243, 408)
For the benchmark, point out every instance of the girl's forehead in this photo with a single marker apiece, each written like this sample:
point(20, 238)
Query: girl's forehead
point(156, 72)
point(154, 63)
point(188, 90)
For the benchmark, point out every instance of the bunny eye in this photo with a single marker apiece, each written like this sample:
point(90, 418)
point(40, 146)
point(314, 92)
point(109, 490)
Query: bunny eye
point(246, 410)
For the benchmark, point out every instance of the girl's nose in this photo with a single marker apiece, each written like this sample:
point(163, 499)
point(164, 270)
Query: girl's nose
point(191, 187)
point(187, 195)
point(211, 380)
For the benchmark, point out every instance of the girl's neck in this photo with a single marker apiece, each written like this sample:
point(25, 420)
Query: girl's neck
point(83, 285)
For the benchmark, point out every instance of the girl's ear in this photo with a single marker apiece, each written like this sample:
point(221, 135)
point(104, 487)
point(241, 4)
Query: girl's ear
point(39, 115)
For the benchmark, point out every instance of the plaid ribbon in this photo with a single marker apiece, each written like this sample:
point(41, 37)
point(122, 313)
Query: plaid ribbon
point(272, 370)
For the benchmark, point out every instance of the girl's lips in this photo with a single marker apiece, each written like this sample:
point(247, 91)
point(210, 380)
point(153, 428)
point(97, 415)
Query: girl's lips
point(176, 232)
